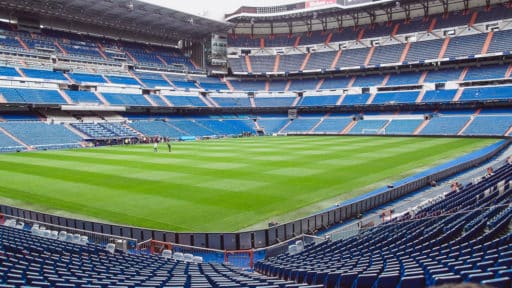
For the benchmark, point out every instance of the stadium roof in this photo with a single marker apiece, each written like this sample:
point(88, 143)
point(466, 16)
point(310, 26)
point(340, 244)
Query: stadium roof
point(311, 15)
point(132, 16)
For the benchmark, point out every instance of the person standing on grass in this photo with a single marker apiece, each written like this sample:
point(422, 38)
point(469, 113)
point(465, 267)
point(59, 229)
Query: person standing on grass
point(155, 147)
point(169, 145)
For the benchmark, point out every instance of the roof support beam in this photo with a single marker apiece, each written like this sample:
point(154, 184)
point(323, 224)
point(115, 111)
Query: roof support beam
point(407, 11)
point(466, 6)
point(339, 21)
point(324, 24)
point(426, 7)
point(372, 16)
point(389, 14)
point(355, 18)
point(445, 6)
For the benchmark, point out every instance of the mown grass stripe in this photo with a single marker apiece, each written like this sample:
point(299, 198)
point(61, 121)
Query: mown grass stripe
point(218, 185)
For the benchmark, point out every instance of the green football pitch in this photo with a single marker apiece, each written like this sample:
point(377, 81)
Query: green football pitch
point(216, 185)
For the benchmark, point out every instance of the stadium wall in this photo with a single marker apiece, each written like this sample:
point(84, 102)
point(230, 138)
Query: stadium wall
point(273, 235)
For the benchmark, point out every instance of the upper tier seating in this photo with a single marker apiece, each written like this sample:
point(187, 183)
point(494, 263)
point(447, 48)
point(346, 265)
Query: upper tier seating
point(183, 101)
point(243, 41)
point(152, 80)
point(487, 93)
point(378, 30)
point(501, 41)
point(395, 97)
point(439, 96)
point(272, 101)
point(486, 72)
point(44, 74)
point(185, 84)
point(83, 97)
point(122, 80)
point(319, 60)
point(319, 100)
point(353, 57)
point(157, 100)
point(355, 99)
point(368, 81)
point(9, 71)
point(249, 85)
point(459, 46)
point(210, 83)
point(465, 45)
point(303, 84)
point(387, 54)
point(335, 82)
point(126, 99)
point(262, 64)
point(277, 85)
point(93, 48)
point(24, 95)
point(425, 48)
point(438, 76)
point(291, 62)
point(232, 101)
point(410, 78)
point(87, 78)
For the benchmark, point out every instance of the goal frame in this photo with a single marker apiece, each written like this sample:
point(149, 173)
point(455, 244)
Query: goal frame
point(366, 131)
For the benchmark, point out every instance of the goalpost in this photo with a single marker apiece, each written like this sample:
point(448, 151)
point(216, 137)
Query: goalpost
point(381, 131)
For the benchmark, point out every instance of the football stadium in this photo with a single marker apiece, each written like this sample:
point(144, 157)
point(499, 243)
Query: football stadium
point(307, 143)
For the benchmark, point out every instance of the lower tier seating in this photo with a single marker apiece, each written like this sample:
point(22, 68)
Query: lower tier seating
point(463, 237)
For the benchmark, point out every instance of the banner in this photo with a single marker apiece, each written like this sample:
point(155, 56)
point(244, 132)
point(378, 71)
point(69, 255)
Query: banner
point(318, 3)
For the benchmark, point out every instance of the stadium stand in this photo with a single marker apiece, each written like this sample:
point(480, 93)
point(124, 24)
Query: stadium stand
point(319, 100)
point(41, 135)
point(402, 126)
point(233, 101)
point(83, 97)
point(22, 95)
point(333, 125)
point(185, 100)
point(262, 100)
point(462, 237)
point(353, 84)
point(272, 124)
point(104, 130)
point(368, 127)
point(445, 125)
point(126, 99)
point(302, 124)
point(43, 262)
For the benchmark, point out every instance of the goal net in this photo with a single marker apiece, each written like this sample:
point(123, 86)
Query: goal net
point(381, 131)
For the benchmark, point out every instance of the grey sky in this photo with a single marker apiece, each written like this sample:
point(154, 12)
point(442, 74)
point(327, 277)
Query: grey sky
point(215, 9)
